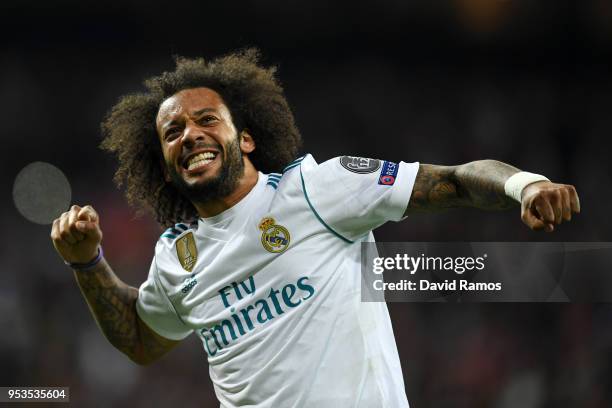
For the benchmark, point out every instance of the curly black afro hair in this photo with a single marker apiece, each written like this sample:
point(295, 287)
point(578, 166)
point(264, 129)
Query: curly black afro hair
point(255, 99)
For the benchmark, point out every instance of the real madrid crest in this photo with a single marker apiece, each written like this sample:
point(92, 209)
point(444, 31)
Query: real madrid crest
point(187, 251)
point(275, 238)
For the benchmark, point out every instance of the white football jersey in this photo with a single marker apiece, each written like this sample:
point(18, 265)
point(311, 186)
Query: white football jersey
point(272, 287)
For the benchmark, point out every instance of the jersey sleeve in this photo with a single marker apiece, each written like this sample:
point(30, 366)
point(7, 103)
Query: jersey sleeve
point(353, 195)
point(155, 309)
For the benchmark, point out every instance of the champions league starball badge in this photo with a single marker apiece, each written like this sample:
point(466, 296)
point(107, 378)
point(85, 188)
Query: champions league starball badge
point(187, 251)
point(274, 238)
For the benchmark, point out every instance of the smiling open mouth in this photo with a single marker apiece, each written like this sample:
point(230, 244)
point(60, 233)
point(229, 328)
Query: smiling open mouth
point(199, 160)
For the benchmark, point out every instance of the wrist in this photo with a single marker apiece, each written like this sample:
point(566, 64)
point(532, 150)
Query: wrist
point(515, 185)
point(87, 265)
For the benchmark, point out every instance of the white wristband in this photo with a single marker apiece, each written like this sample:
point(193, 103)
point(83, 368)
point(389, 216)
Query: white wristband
point(517, 182)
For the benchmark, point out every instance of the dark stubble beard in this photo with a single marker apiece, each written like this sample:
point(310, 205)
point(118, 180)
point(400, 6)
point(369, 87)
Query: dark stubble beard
point(232, 169)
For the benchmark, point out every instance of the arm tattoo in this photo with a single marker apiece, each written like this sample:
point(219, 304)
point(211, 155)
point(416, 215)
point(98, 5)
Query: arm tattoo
point(477, 184)
point(113, 305)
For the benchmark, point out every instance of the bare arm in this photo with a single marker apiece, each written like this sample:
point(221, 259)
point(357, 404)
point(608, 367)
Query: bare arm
point(113, 306)
point(481, 183)
point(76, 236)
point(477, 184)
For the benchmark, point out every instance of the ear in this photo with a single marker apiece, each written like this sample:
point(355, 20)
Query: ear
point(247, 144)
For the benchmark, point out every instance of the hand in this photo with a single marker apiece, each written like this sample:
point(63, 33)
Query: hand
point(544, 204)
point(76, 234)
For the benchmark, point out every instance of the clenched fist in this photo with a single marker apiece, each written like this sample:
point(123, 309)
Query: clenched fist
point(76, 234)
point(544, 204)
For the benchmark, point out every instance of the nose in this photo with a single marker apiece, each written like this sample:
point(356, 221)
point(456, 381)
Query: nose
point(192, 134)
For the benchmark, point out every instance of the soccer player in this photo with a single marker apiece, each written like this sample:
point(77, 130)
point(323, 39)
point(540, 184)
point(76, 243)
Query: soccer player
point(261, 258)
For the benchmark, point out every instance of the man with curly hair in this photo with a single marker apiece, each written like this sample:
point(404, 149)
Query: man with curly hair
point(261, 257)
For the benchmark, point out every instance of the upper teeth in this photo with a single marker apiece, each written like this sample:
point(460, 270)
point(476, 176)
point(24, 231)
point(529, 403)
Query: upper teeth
point(200, 159)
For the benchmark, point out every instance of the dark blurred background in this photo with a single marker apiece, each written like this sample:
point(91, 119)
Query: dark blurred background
point(527, 82)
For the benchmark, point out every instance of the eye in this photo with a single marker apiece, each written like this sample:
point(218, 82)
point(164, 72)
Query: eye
point(205, 120)
point(172, 133)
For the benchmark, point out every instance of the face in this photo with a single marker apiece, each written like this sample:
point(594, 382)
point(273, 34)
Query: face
point(203, 152)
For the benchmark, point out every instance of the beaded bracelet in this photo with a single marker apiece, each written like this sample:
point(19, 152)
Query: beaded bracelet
point(87, 265)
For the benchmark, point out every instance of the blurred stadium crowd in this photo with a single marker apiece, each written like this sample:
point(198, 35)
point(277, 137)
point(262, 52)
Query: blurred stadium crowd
point(438, 82)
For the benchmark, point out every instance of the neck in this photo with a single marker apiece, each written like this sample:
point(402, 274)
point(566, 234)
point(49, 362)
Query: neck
point(218, 205)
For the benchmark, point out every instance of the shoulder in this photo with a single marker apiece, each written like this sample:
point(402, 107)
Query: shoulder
point(304, 173)
point(290, 176)
point(172, 235)
point(336, 166)
point(176, 244)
